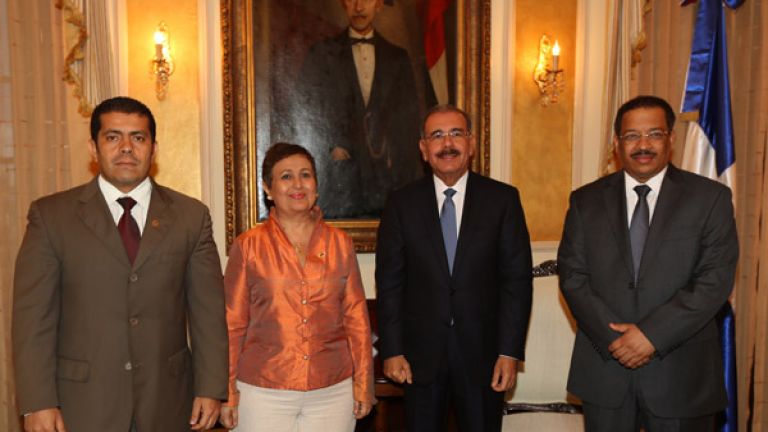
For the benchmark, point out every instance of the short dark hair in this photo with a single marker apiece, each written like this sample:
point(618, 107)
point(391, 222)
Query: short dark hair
point(644, 101)
point(444, 108)
point(280, 151)
point(123, 105)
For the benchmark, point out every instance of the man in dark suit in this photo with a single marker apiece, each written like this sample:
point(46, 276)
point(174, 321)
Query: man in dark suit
point(111, 278)
point(453, 278)
point(364, 111)
point(647, 259)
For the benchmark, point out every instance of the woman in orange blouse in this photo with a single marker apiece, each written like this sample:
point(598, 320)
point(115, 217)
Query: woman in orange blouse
point(300, 356)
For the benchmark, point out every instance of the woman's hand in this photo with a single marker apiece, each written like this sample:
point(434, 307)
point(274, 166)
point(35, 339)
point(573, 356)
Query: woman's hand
point(362, 409)
point(228, 417)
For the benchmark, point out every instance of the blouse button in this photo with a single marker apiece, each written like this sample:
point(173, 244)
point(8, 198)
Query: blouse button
point(306, 357)
point(303, 301)
point(304, 320)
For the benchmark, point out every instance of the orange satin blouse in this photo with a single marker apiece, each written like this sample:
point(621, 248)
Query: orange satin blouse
point(297, 328)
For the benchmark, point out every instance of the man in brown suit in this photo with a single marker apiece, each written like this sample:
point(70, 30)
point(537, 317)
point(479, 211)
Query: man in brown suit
point(111, 279)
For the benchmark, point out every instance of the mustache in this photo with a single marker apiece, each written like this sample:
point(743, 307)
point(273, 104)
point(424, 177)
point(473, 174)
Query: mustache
point(125, 158)
point(449, 152)
point(643, 152)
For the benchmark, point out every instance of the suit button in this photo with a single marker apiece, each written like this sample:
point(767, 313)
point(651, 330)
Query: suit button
point(128, 366)
point(450, 324)
point(134, 321)
point(134, 277)
point(631, 285)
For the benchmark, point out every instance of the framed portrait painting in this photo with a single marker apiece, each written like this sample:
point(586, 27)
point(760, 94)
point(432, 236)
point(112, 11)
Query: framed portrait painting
point(350, 80)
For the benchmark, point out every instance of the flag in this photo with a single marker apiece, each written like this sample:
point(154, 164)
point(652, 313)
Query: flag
point(709, 146)
point(434, 47)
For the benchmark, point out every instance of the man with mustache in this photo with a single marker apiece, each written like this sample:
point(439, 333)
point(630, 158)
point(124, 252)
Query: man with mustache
point(647, 259)
point(453, 278)
point(360, 92)
point(112, 279)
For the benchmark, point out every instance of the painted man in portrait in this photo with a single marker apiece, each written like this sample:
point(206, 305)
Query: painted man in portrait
point(360, 90)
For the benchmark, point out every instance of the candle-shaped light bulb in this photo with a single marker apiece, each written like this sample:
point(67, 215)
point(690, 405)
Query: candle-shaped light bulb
point(160, 40)
point(555, 55)
point(159, 37)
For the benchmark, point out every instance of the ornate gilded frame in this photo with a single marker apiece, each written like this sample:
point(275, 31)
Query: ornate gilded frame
point(241, 179)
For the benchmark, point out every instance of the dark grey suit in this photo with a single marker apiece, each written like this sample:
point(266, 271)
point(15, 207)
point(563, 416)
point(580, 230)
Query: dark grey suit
point(685, 276)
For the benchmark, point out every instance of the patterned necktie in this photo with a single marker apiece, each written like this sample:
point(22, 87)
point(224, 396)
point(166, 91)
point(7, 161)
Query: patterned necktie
point(448, 226)
point(638, 227)
point(128, 228)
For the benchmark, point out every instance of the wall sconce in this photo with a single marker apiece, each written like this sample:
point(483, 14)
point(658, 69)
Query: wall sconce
point(548, 77)
point(162, 63)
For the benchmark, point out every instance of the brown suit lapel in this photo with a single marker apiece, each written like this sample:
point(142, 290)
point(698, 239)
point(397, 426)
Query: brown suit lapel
point(95, 214)
point(160, 216)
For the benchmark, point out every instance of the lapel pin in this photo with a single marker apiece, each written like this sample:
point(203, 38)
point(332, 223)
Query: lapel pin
point(321, 254)
point(155, 223)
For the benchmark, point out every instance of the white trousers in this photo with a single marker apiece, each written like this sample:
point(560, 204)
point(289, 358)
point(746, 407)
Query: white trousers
point(328, 409)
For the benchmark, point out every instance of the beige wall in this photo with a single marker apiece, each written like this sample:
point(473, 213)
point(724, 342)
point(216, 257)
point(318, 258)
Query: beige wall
point(178, 115)
point(542, 136)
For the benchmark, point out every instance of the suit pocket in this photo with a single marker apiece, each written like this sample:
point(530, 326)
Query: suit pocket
point(178, 363)
point(73, 370)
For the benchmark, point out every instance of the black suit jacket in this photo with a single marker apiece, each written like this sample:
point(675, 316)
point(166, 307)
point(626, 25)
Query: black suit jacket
point(488, 296)
point(686, 274)
point(381, 138)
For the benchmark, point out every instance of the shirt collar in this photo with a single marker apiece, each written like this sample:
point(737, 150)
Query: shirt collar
point(654, 182)
point(460, 187)
point(141, 193)
point(355, 35)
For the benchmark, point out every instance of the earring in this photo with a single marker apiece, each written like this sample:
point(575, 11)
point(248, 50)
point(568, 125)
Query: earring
point(269, 197)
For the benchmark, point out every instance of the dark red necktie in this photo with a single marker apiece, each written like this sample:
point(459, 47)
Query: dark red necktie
point(128, 228)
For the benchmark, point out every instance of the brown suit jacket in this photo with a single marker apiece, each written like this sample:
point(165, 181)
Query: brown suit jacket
point(106, 341)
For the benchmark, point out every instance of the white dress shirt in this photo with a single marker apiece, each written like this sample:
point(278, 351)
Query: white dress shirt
point(365, 62)
point(458, 198)
point(141, 194)
point(654, 183)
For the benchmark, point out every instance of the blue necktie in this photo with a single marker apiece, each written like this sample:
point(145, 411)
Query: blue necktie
point(448, 226)
point(638, 227)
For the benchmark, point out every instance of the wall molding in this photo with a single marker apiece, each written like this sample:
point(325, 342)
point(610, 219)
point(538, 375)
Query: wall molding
point(502, 87)
point(211, 119)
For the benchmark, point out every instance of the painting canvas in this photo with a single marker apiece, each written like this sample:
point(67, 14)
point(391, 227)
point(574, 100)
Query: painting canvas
point(311, 72)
